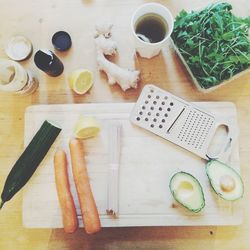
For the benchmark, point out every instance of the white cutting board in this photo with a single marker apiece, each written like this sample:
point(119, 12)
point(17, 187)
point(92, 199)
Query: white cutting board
point(147, 163)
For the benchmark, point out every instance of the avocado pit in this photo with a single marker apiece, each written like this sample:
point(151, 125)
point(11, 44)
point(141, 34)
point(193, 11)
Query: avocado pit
point(227, 183)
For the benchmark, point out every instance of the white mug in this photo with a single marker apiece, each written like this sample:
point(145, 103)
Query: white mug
point(147, 49)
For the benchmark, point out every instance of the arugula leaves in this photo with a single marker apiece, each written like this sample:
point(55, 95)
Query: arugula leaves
point(214, 43)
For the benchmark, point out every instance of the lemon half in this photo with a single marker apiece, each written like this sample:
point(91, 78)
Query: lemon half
point(80, 80)
point(86, 127)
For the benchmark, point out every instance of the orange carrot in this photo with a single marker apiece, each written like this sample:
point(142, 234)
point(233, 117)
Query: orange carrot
point(89, 211)
point(66, 201)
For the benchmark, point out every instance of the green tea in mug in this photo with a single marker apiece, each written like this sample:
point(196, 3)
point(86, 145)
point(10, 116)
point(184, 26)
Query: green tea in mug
point(151, 28)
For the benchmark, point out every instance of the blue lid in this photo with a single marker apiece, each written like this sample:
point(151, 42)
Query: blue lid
point(61, 40)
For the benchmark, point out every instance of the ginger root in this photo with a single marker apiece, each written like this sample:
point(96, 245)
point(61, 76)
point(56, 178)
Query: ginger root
point(104, 29)
point(126, 78)
point(105, 46)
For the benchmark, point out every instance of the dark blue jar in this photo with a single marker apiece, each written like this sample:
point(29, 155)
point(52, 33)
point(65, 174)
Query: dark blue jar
point(48, 62)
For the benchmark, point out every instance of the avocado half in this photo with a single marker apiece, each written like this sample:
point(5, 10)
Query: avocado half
point(225, 181)
point(187, 191)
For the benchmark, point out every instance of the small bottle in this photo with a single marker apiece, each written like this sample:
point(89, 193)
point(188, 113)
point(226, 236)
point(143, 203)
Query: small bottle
point(14, 78)
point(31, 86)
point(48, 62)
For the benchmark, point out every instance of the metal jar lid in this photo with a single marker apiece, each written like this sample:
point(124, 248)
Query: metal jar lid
point(18, 48)
point(61, 40)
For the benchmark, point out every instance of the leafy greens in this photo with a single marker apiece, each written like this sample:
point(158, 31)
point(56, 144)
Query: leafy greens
point(214, 43)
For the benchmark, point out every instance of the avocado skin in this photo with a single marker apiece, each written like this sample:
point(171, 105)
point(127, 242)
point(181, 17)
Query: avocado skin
point(211, 181)
point(201, 189)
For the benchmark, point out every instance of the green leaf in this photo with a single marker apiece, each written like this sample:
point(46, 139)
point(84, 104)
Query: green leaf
point(228, 36)
point(182, 34)
point(194, 59)
point(190, 42)
point(240, 59)
point(218, 57)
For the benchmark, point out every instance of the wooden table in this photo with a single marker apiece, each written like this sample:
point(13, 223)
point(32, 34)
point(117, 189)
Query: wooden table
point(38, 20)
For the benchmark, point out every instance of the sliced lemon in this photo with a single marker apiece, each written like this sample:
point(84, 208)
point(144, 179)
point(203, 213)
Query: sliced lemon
point(80, 80)
point(86, 127)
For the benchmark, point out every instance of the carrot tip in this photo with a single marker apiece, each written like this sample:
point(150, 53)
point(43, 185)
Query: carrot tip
point(70, 231)
point(60, 151)
point(92, 231)
point(73, 140)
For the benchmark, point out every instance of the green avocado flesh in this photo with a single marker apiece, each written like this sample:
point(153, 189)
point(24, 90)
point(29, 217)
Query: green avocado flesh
point(225, 181)
point(187, 190)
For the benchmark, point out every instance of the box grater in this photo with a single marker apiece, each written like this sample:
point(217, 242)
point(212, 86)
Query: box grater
point(179, 121)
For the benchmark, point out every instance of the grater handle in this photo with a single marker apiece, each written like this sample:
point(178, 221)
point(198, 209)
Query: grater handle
point(228, 146)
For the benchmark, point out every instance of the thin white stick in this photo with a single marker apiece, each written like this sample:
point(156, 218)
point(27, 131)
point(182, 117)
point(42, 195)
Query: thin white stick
point(114, 164)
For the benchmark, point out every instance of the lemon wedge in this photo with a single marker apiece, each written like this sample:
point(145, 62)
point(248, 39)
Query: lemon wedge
point(80, 81)
point(86, 127)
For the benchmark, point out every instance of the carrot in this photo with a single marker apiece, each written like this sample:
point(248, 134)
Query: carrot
point(66, 201)
point(89, 211)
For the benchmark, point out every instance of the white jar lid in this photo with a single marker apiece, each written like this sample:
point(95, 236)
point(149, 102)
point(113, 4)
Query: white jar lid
point(18, 48)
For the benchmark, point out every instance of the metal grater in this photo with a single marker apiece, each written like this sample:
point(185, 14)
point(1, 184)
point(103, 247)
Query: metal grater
point(178, 121)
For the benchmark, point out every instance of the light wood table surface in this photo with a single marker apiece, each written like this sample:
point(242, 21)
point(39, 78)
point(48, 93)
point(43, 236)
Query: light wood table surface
point(38, 20)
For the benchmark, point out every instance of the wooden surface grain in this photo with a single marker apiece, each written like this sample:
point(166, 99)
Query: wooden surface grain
point(38, 20)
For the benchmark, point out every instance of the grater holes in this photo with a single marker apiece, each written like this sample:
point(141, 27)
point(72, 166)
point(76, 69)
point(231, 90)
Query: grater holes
point(182, 128)
point(165, 97)
point(149, 113)
point(143, 107)
point(190, 134)
point(163, 120)
point(146, 102)
point(163, 103)
point(140, 113)
point(183, 135)
point(149, 96)
point(151, 90)
point(157, 97)
point(160, 108)
point(155, 120)
point(157, 114)
point(193, 129)
point(154, 102)
point(171, 104)
point(138, 118)
point(152, 108)
point(198, 134)
point(197, 120)
point(208, 127)
point(166, 115)
point(160, 126)
point(152, 125)
point(181, 131)
point(188, 130)
point(203, 132)
point(146, 119)
point(168, 109)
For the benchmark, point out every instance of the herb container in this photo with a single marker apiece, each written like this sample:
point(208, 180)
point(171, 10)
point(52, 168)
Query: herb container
point(194, 79)
point(213, 45)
